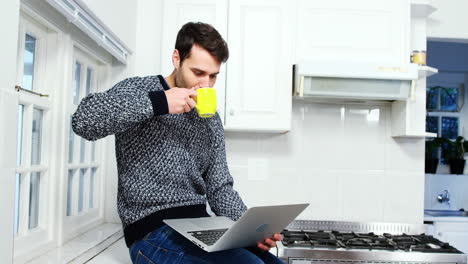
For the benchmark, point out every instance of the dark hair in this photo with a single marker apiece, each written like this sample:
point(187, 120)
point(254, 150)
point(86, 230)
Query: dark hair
point(203, 35)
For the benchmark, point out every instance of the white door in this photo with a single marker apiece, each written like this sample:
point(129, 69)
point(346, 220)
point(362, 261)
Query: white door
point(178, 12)
point(259, 74)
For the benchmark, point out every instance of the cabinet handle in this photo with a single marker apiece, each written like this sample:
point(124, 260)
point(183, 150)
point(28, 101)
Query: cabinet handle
point(231, 112)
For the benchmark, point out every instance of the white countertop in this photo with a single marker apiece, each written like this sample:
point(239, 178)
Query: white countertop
point(445, 218)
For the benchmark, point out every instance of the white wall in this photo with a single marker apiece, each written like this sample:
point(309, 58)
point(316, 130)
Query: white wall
point(339, 158)
point(9, 31)
point(449, 20)
point(455, 184)
point(118, 15)
point(148, 38)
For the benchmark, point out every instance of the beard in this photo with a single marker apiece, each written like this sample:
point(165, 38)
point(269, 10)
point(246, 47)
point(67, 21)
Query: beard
point(180, 80)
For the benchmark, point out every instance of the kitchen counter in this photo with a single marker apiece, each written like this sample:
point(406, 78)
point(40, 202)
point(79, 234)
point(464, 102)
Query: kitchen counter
point(430, 218)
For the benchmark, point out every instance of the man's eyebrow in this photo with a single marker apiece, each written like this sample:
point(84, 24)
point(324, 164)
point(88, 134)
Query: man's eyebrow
point(200, 70)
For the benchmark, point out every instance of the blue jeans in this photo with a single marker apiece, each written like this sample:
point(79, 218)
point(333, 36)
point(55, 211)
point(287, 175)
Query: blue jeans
point(164, 245)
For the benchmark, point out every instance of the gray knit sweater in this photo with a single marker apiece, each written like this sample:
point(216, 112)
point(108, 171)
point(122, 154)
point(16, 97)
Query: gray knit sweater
point(166, 162)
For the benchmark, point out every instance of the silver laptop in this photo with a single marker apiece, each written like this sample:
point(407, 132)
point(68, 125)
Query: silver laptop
point(220, 233)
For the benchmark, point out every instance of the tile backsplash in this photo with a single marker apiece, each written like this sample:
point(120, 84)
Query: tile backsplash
point(340, 158)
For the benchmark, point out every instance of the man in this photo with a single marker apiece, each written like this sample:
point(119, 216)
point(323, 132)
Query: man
point(170, 161)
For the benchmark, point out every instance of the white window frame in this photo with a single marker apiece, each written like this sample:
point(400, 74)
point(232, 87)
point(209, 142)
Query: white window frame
point(28, 240)
point(79, 222)
point(54, 69)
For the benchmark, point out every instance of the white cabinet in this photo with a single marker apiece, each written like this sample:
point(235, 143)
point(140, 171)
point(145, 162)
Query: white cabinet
point(360, 30)
point(255, 84)
point(178, 12)
point(259, 71)
point(455, 233)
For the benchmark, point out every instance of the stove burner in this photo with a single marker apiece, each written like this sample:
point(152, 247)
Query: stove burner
point(421, 243)
point(370, 241)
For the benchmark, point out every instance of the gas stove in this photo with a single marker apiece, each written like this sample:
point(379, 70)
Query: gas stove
point(329, 242)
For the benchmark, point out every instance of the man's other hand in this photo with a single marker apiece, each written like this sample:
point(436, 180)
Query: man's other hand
point(269, 242)
point(180, 100)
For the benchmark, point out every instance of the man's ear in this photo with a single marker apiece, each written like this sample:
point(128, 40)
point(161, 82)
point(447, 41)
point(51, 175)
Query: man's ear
point(176, 59)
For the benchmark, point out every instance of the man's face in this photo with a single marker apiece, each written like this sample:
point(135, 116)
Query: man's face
point(199, 69)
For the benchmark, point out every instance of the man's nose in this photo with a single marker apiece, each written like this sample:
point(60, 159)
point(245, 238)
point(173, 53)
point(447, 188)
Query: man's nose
point(204, 82)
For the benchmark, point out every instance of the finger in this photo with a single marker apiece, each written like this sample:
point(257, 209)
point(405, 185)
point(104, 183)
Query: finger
point(276, 237)
point(192, 93)
point(270, 243)
point(187, 107)
point(262, 247)
point(191, 103)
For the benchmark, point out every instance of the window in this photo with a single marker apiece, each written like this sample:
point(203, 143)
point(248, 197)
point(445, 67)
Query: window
point(57, 172)
point(83, 166)
point(32, 178)
point(443, 105)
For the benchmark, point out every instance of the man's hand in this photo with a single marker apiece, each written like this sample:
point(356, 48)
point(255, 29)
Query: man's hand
point(269, 242)
point(180, 100)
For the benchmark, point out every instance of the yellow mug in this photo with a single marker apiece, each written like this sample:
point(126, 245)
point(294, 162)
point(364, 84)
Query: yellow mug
point(206, 102)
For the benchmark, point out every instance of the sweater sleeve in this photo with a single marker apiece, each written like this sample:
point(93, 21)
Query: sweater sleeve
point(223, 199)
point(118, 109)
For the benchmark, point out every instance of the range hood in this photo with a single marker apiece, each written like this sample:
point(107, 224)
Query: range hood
point(365, 81)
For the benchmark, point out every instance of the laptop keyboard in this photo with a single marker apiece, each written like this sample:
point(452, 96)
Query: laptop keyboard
point(208, 237)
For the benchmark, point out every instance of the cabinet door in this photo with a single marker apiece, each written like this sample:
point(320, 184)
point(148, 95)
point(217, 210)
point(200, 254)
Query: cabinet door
point(178, 12)
point(361, 30)
point(459, 240)
point(455, 233)
point(259, 70)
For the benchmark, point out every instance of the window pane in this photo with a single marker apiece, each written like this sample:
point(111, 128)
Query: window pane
point(431, 98)
point(71, 138)
point(91, 187)
point(76, 88)
point(34, 199)
point(81, 190)
point(82, 150)
point(17, 201)
point(19, 143)
point(28, 60)
point(88, 80)
point(432, 124)
point(450, 127)
point(448, 99)
point(36, 137)
point(69, 192)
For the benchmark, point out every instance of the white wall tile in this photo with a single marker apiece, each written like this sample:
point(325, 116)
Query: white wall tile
point(339, 158)
point(404, 196)
point(363, 198)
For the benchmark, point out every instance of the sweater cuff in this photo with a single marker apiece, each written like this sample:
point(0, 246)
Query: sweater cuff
point(159, 102)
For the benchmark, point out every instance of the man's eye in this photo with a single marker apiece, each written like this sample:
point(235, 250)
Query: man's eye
point(198, 73)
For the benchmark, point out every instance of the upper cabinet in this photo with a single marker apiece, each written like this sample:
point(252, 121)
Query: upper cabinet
point(259, 70)
point(254, 86)
point(360, 30)
point(265, 38)
point(178, 12)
